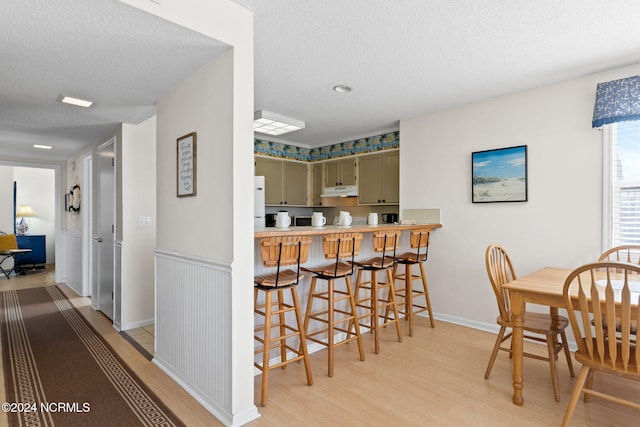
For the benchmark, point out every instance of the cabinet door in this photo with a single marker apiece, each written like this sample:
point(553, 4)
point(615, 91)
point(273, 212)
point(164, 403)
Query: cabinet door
point(340, 172)
point(38, 246)
point(295, 183)
point(369, 190)
point(317, 183)
point(348, 171)
point(271, 169)
point(391, 177)
point(332, 173)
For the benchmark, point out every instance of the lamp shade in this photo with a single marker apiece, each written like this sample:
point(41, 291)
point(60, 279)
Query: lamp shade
point(25, 211)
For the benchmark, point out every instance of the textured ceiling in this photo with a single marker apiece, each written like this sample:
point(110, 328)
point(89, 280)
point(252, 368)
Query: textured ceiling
point(101, 50)
point(402, 57)
point(405, 58)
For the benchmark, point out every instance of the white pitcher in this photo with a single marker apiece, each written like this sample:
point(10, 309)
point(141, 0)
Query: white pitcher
point(345, 219)
point(373, 219)
point(283, 220)
point(317, 219)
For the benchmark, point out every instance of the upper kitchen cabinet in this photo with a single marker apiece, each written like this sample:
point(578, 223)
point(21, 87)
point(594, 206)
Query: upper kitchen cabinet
point(285, 181)
point(340, 172)
point(316, 175)
point(379, 181)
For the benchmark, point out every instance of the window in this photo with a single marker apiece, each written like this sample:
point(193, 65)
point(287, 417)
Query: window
point(621, 184)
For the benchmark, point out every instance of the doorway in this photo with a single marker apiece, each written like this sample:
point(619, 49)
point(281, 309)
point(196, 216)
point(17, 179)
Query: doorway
point(103, 241)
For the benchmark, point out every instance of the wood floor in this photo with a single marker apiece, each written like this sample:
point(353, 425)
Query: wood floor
point(434, 378)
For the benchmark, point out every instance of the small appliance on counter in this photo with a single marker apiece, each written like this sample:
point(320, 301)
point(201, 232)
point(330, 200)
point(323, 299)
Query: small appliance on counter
point(270, 220)
point(302, 221)
point(390, 218)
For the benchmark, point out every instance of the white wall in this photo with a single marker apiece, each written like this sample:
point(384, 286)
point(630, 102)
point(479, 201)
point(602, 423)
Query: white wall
point(219, 236)
point(6, 194)
point(560, 225)
point(36, 189)
point(138, 166)
point(199, 225)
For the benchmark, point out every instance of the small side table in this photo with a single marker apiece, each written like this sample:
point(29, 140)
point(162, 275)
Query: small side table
point(16, 254)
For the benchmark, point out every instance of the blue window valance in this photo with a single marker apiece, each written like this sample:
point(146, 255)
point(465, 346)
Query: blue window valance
point(617, 101)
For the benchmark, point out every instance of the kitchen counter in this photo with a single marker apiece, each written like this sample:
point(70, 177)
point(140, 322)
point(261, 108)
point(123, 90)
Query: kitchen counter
point(330, 229)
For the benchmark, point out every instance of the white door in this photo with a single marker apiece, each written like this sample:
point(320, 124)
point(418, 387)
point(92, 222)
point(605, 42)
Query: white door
point(105, 227)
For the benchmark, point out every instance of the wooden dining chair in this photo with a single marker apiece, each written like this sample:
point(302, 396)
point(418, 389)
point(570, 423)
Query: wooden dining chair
point(591, 293)
point(537, 326)
point(623, 253)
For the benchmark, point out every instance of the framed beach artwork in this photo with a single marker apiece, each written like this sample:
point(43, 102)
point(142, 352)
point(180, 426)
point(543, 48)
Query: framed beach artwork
point(499, 175)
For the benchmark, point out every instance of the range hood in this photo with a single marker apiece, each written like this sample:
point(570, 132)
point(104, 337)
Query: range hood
point(341, 191)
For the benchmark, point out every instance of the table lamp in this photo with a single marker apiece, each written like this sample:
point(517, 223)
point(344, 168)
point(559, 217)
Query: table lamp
point(24, 212)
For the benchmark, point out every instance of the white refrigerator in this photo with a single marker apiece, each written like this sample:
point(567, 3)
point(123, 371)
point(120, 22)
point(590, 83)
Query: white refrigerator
point(258, 202)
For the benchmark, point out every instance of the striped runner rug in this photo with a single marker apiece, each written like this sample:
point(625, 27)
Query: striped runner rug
point(60, 372)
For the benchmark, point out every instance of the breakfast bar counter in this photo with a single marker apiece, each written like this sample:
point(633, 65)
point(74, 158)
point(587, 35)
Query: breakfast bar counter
point(316, 258)
point(331, 229)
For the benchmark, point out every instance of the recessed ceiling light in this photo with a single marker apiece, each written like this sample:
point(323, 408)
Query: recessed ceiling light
point(342, 88)
point(42, 147)
point(275, 124)
point(75, 101)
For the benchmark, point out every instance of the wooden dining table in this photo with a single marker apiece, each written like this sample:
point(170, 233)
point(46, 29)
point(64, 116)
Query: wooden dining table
point(544, 287)
point(540, 287)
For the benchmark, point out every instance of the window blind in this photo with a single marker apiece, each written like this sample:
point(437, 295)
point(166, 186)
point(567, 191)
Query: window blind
point(624, 183)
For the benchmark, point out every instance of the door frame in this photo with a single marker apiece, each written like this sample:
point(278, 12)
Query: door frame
point(87, 225)
point(95, 277)
point(60, 269)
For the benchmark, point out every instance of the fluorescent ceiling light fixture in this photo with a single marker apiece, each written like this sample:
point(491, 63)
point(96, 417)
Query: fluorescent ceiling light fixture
point(43, 147)
point(75, 101)
point(275, 124)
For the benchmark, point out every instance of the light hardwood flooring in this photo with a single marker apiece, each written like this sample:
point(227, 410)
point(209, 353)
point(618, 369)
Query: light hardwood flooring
point(434, 378)
point(144, 337)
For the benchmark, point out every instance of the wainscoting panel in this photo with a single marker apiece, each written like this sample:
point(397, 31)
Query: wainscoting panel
point(73, 261)
point(193, 328)
point(117, 285)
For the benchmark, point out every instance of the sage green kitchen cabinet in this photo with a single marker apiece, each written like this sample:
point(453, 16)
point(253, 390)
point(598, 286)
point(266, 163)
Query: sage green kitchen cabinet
point(285, 181)
point(316, 174)
point(379, 181)
point(340, 172)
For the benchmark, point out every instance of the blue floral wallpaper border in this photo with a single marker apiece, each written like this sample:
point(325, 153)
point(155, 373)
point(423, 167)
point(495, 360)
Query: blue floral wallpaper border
point(371, 144)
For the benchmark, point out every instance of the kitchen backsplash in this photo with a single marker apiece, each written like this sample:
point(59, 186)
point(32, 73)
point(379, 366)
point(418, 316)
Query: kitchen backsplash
point(349, 148)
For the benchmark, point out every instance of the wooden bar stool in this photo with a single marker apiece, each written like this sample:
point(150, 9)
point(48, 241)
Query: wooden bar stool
point(278, 252)
point(419, 240)
point(334, 301)
point(385, 242)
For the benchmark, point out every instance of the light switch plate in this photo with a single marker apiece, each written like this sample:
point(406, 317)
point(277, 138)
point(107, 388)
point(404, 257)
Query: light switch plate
point(144, 221)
